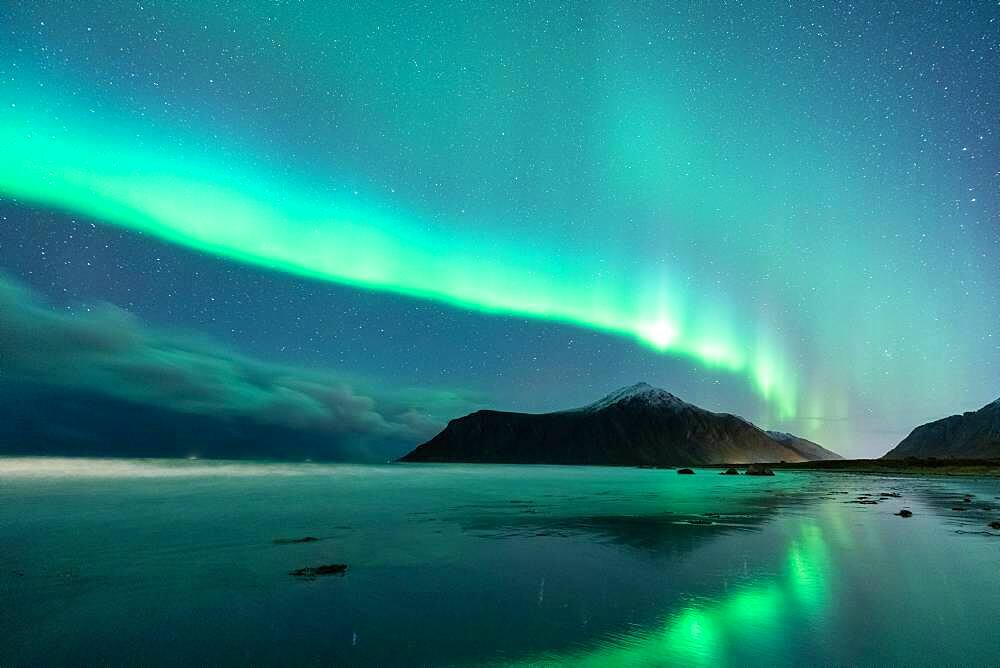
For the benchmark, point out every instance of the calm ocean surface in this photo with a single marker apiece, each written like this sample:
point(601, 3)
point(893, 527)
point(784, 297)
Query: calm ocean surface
point(175, 562)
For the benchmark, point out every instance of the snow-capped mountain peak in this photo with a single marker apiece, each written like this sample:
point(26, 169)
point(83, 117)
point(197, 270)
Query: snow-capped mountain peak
point(642, 394)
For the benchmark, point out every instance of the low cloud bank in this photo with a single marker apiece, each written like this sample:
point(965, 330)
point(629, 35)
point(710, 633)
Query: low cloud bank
point(92, 378)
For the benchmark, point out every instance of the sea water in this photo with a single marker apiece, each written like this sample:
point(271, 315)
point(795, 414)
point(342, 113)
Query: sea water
point(159, 562)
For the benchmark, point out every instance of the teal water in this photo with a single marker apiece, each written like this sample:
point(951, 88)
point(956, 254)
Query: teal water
point(174, 562)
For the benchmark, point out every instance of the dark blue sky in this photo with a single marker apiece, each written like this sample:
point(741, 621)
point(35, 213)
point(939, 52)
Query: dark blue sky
point(790, 212)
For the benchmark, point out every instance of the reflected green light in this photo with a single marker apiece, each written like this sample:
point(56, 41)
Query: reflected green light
point(706, 633)
point(108, 169)
point(808, 568)
point(692, 639)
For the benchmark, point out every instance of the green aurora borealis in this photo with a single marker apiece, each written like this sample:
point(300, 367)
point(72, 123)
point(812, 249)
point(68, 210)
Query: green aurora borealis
point(801, 199)
point(251, 218)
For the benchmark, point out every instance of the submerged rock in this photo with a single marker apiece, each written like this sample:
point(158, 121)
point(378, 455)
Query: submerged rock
point(995, 525)
point(759, 469)
point(730, 472)
point(905, 513)
point(685, 471)
point(313, 572)
point(291, 541)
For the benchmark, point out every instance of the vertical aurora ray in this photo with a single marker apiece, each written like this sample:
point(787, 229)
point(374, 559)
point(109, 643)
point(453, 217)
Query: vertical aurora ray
point(123, 173)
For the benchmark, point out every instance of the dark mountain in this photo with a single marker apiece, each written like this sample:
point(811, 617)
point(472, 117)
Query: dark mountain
point(637, 425)
point(972, 435)
point(809, 450)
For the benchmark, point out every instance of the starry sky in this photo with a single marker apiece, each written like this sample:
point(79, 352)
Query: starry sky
point(373, 217)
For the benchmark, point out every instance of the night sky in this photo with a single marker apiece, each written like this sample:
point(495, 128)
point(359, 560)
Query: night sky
point(370, 218)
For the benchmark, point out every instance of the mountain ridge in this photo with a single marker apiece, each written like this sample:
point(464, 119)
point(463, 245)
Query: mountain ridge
point(636, 425)
point(971, 435)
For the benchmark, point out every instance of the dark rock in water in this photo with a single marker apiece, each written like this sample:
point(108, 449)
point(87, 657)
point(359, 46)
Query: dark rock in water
point(292, 541)
point(730, 472)
point(685, 471)
point(759, 469)
point(958, 508)
point(314, 572)
point(995, 525)
point(905, 513)
point(638, 425)
point(890, 495)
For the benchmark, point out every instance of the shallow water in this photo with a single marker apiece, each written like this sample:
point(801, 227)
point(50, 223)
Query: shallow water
point(167, 562)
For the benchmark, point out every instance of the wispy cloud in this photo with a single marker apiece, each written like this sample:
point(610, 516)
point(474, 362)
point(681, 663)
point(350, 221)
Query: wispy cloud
point(108, 352)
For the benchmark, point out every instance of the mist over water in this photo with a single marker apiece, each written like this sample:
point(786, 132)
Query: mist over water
point(87, 467)
point(164, 562)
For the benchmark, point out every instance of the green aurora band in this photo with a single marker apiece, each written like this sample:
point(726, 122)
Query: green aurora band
point(113, 169)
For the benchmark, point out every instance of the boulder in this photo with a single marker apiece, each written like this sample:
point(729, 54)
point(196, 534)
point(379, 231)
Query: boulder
point(292, 541)
point(730, 472)
point(905, 513)
point(313, 572)
point(759, 469)
point(685, 471)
